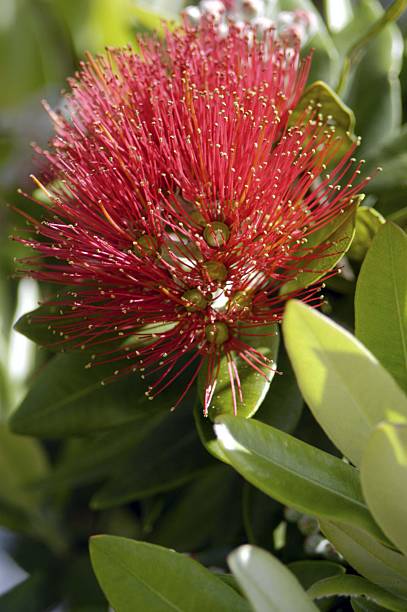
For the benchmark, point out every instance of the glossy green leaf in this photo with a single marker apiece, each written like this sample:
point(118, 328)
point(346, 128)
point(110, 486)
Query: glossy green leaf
point(368, 223)
point(333, 240)
point(384, 480)
point(254, 385)
point(268, 584)
point(68, 398)
point(167, 458)
point(356, 586)
point(381, 301)
point(295, 473)
point(141, 576)
point(376, 562)
point(339, 117)
point(344, 385)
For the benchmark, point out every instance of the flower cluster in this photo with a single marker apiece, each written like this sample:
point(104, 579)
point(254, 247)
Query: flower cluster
point(181, 200)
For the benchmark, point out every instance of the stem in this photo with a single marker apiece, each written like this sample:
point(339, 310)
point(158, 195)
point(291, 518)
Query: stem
point(391, 14)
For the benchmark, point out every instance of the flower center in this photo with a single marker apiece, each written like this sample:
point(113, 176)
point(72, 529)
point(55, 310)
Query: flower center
point(194, 300)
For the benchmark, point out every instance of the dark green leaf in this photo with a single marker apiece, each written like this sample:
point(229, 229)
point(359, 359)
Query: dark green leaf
point(309, 572)
point(167, 458)
point(68, 398)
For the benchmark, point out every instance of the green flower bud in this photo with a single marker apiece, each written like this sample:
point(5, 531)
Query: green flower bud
point(194, 300)
point(216, 270)
point(217, 333)
point(216, 234)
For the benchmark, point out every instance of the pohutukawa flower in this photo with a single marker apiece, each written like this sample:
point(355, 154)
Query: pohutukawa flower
point(181, 200)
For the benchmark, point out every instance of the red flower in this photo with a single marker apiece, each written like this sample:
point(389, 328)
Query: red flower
point(181, 200)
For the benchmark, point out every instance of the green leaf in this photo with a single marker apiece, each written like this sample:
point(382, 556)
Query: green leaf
point(370, 558)
point(384, 480)
point(332, 240)
point(339, 117)
point(309, 572)
point(381, 301)
point(346, 388)
point(167, 458)
point(254, 385)
point(356, 586)
point(198, 519)
point(368, 222)
point(141, 576)
point(295, 473)
point(268, 584)
point(67, 398)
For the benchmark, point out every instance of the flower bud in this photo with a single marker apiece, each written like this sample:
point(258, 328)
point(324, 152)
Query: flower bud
point(215, 270)
point(216, 234)
point(217, 333)
point(194, 300)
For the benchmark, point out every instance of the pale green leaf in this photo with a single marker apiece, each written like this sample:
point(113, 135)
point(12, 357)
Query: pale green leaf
point(268, 584)
point(376, 562)
point(381, 301)
point(344, 385)
point(348, 585)
point(384, 480)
